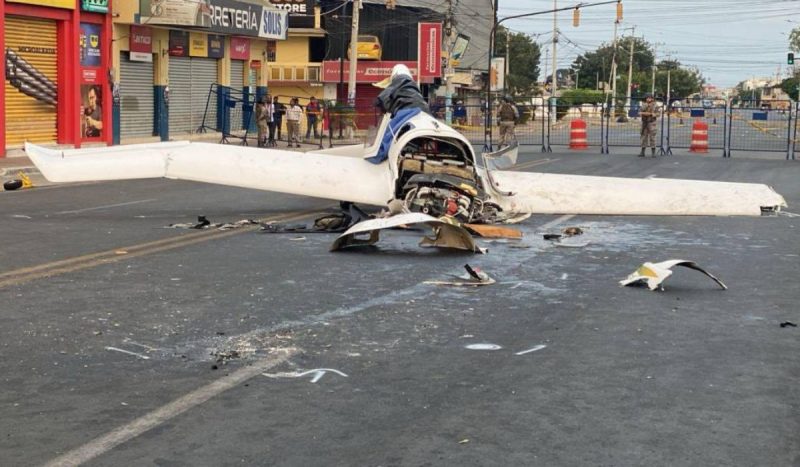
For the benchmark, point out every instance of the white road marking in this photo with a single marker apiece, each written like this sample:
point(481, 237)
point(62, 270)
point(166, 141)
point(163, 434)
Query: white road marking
point(651, 176)
point(115, 349)
point(167, 412)
point(532, 349)
point(317, 372)
point(483, 347)
point(564, 276)
point(97, 208)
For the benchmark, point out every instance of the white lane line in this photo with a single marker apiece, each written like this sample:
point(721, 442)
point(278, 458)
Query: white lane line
point(533, 349)
point(107, 206)
point(555, 222)
point(651, 176)
point(115, 349)
point(167, 412)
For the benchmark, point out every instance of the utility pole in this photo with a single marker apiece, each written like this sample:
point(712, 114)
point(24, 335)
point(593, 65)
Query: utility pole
point(614, 67)
point(653, 87)
point(554, 86)
point(630, 72)
point(448, 72)
point(351, 83)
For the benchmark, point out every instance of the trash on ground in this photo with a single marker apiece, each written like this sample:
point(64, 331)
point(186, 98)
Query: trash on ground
point(297, 239)
point(445, 234)
point(786, 324)
point(203, 223)
point(656, 273)
point(493, 231)
point(552, 236)
point(571, 231)
point(12, 185)
point(483, 347)
point(330, 223)
point(473, 278)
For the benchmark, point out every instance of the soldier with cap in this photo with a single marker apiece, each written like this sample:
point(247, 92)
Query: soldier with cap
point(649, 115)
point(507, 114)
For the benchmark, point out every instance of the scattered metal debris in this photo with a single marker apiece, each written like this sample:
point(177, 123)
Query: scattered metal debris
point(474, 278)
point(493, 231)
point(330, 223)
point(572, 231)
point(485, 346)
point(446, 235)
point(655, 273)
point(203, 223)
point(786, 324)
point(532, 349)
point(138, 355)
point(318, 374)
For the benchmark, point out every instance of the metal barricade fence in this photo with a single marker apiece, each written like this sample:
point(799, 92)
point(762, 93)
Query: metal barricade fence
point(233, 121)
point(762, 129)
point(696, 129)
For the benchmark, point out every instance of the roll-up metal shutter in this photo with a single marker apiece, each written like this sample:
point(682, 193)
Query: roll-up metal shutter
point(204, 74)
point(180, 95)
point(237, 76)
point(31, 80)
point(136, 97)
point(190, 79)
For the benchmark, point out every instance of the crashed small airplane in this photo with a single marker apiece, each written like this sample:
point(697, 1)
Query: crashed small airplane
point(415, 161)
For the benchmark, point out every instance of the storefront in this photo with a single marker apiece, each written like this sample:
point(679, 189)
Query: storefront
point(137, 101)
point(55, 70)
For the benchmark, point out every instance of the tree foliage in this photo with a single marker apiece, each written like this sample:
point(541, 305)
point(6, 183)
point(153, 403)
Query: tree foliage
point(794, 40)
point(595, 66)
point(523, 60)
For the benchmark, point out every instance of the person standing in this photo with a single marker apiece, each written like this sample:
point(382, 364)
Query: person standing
point(460, 113)
point(279, 111)
point(312, 117)
point(649, 115)
point(270, 120)
point(507, 116)
point(293, 114)
point(262, 121)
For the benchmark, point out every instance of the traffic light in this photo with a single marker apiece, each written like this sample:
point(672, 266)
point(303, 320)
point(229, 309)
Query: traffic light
point(790, 58)
point(576, 17)
point(619, 11)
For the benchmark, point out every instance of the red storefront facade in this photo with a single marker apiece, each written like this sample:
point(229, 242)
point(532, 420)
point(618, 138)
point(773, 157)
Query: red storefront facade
point(56, 90)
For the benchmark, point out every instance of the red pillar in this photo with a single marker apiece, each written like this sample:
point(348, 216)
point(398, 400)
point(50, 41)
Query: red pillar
point(3, 75)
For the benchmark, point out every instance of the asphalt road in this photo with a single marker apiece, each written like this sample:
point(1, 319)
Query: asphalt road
point(127, 343)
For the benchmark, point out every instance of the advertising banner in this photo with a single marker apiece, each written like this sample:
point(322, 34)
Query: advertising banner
point(141, 44)
point(301, 12)
point(90, 44)
point(96, 6)
point(91, 112)
point(430, 50)
point(240, 48)
point(216, 46)
point(497, 75)
point(175, 12)
point(274, 24)
point(198, 44)
point(178, 43)
point(70, 4)
point(366, 72)
point(459, 49)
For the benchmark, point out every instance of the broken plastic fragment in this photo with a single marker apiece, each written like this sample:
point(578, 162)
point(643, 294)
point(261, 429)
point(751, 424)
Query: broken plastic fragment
point(493, 231)
point(656, 273)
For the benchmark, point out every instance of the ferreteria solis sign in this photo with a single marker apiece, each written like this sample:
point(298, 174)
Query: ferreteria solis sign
point(246, 19)
point(97, 6)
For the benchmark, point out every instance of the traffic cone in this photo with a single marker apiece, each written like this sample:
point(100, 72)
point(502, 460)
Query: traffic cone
point(699, 137)
point(577, 135)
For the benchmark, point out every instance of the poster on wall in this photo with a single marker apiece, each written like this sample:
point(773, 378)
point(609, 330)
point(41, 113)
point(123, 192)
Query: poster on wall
point(216, 46)
point(91, 111)
point(497, 75)
point(90, 44)
point(198, 44)
point(178, 43)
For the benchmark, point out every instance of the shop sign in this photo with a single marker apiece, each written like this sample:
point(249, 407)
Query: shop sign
point(90, 44)
point(89, 76)
point(178, 43)
point(366, 71)
point(175, 12)
point(216, 46)
point(69, 4)
point(198, 44)
point(301, 12)
point(240, 48)
point(141, 44)
point(96, 6)
point(430, 50)
point(274, 24)
point(255, 65)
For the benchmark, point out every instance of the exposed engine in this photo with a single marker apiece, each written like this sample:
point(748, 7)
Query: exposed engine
point(437, 177)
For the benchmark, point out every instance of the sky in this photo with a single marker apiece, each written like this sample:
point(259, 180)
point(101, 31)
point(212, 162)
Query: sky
point(729, 41)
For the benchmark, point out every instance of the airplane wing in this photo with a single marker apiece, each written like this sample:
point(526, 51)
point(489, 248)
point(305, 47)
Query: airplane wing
point(328, 176)
point(578, 194)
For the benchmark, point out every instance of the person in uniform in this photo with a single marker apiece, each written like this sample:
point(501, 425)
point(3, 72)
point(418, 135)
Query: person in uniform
point(507, 116)
point(262, 121)
point(649, 115)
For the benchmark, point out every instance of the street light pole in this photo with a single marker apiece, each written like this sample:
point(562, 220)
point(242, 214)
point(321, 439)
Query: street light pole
point(351, 83)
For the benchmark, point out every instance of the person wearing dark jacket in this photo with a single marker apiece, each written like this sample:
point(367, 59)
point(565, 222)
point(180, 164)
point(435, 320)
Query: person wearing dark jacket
point(401, 93)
